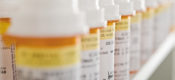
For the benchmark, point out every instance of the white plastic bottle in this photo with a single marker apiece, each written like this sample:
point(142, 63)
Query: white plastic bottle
point(90, 68)
point(147, 38)
point(162, 22)
point(135, 42)
point(7, 65)
point(173, 15)
point(47, 40)
point(122, 42)
point(107, 43)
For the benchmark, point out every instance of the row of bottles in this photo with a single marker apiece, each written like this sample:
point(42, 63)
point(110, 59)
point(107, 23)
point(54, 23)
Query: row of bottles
point(80, 39)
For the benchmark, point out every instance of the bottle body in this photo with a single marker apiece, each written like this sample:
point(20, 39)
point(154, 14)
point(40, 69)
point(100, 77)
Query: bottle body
point(173, 16)
point(162, 24)
point(47, 58)
point(147, 35)
point(135, 44)
point(107, 45)
point(7, 64)
point(122, 52)
point(90, 53)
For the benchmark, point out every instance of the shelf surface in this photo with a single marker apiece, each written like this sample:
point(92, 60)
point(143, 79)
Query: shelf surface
point(157, 58)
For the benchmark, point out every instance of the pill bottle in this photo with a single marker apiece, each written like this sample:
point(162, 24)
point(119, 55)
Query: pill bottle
point(172, 16)
point(90, 68)
point(7, 66)
point(170, 5)
point(107, 43)
point(162, 22)
point(47, 40)
point(135, 41)
point(147, 30)
point(122, 42)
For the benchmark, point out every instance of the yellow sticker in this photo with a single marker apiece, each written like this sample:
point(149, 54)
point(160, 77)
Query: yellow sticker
point(4, 25)
point(123, 25)
point(47, 57)
point(91, 41)
point(148, 14)
point(137, 18)
point(107, 33)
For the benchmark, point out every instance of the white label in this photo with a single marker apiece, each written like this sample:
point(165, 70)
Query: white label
point(162, 25)
point(122, 49)
point(66, 73)
point(147, 37)
point(90, 65)
point(7, 65)
point(135, 44)
point(135, 47)
point(90, 57)
point(48, 63)
point(107, 53)
point(159, 30)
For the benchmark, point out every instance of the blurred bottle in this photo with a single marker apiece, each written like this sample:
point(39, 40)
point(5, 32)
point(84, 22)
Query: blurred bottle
point(147, 31)
point(47, 39)
point(107, 43)
point(90, 69)
point(122, 48)
point(135, 42)
point(172, 15)
point(162, 22)
point(7, 65)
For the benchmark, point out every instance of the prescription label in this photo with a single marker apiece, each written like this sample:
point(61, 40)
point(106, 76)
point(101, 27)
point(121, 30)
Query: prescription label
point(4, 24)
point(159, 9)
point(107, 53)
point(7, 61)
point(61, 73)
point(47, 63)
point(135, 43)
point(122, 26)
point(47, 57)
point(90, 57)
point(106, 33)
point(148, 14)
point(147, 36)
point(162, 25)
point(122, 40)
point(90, 42)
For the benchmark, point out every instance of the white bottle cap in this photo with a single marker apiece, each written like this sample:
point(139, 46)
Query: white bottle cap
point(111, 10)
point(6, 7)
point(151, 3)
point(126, 7)
point(139, 5)
point(58, 6)
point(94, 15)
point(46, 20)
point(163, 2)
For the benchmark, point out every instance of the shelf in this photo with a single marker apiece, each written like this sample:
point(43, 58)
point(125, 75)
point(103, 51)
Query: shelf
point(157, 58)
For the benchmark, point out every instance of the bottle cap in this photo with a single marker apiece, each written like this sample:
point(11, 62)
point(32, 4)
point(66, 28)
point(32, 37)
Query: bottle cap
point(43, 19)
point(139, 5)
point(164, 2)
point(6, 7)
point(126, 7)
point(94, 15)
point(111, 10)
point(151, 3)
